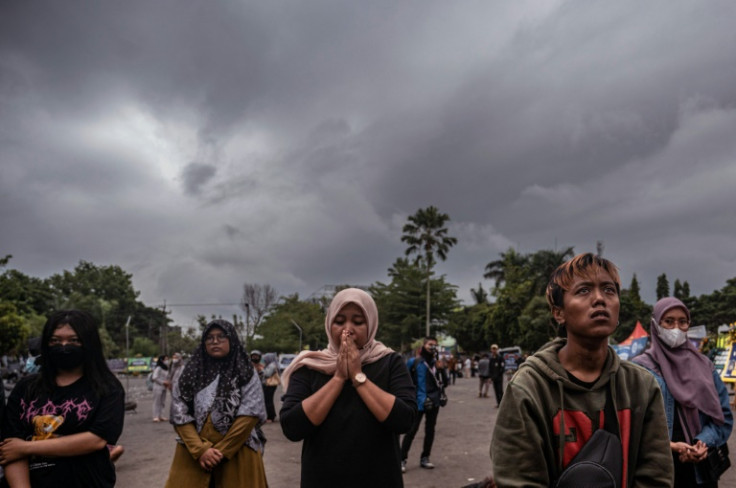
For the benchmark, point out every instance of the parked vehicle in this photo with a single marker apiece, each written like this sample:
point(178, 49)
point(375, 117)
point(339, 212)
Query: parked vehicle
point(138, 366)
point(284, 361)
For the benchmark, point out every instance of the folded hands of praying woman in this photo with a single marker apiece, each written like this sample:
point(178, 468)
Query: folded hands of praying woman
point(348, 360)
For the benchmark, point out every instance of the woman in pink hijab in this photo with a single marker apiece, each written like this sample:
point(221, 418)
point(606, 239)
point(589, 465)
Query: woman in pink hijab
point(695, 399)
point(349, 402)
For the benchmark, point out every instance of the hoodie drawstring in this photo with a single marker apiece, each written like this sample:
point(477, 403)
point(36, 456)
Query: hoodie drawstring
point(561, 447)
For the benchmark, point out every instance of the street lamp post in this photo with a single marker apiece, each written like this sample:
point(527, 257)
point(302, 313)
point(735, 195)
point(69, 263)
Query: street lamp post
point(300, 333)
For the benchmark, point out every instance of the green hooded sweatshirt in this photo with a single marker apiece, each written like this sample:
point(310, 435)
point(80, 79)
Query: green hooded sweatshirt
point(541, 401)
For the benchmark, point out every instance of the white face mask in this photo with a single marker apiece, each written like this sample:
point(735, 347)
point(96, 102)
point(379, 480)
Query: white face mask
point(672, 337)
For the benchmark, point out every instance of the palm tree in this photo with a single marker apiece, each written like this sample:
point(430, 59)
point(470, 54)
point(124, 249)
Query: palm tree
point(479, 295)
point(496, 270)
point(426, 235)
point(544, 263)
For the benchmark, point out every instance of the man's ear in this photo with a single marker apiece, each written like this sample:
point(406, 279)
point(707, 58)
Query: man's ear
point(559, 315)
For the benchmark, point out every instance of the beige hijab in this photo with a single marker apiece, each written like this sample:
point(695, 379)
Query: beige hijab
point(326, 359)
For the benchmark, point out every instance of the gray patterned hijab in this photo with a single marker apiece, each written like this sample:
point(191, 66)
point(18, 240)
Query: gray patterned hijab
point(234, 371)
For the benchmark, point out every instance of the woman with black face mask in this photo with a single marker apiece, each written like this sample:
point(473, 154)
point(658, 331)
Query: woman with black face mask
point(58, 423)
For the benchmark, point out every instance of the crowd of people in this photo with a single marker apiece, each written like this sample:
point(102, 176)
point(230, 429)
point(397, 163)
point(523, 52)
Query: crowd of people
point(571, 414)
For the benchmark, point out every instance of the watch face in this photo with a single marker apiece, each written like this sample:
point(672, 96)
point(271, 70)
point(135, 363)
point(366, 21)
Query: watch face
point(360, 378)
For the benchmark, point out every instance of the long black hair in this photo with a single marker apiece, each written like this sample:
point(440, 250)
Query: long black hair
point(161, 362)
point(95, 368)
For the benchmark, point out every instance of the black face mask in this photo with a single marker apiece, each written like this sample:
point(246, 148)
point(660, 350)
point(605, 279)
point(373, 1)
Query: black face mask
point(66, 357)
point(428, 355)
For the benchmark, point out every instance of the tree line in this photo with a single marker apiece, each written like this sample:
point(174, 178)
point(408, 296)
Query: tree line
point(413, 301)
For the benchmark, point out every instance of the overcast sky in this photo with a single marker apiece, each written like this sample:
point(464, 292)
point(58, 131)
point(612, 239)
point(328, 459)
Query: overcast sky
point(203, 145)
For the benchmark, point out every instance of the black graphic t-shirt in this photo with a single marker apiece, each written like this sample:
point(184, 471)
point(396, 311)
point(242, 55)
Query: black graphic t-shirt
point(69, 410)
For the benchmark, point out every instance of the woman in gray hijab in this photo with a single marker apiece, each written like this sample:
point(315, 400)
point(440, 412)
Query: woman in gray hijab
point(696, 401)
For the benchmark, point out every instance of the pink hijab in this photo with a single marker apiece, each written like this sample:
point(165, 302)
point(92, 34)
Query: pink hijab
point(326, 359)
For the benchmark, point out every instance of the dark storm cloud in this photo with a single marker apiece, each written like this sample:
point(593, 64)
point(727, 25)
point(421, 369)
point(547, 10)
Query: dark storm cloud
point(287, 142)
point(195, 175)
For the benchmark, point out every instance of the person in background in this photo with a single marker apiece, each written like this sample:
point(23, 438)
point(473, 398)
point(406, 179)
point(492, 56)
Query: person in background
point(452, 368)
point(695, 398)
point(34, 352)
point(175, 369)
point(255, 357)
point(442, 369)
point(575, 386)
point(428, 391)
point(467, 366)
point(161, 383)
point(58, 424)
point(217, 406)
point(271, 381)
point(497, 366)
point(483, 375)
point(349, 402)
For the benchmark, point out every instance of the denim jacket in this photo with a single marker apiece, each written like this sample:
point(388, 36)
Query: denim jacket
point(711, 433)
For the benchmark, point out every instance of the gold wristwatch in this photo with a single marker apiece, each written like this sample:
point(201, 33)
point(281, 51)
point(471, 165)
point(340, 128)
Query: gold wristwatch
point(359, 379)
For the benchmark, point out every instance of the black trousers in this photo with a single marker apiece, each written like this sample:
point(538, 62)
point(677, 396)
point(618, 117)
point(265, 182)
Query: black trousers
point(498, 388)
point(428, 433)
point(268, 392)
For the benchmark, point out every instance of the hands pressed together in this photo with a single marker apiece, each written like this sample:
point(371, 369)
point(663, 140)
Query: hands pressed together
point(348, 359)
point(688, 453)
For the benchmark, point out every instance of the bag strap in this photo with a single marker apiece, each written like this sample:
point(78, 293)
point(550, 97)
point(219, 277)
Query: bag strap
point(610, 418)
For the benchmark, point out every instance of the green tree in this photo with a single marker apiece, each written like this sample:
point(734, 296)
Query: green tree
point(401, 304)
point(13, 331)
point(468, 326)
point(632, 309)
point(426, 235)
point(479, 295)
point(715, 309)
point(109, 348)
point(543, 263)
point(677, 289)
point(634, 289)
point(536, 326)
point(145, 347)
point(520, 280)
point(29, 294)
point(663, 286)
point(183, 340)
point(496, 270)
point(278, 332)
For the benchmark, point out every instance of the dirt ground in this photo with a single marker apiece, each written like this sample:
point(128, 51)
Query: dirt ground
point(460, 452)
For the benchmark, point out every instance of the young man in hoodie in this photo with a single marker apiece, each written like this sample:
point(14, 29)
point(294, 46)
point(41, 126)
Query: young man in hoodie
point(575, 385)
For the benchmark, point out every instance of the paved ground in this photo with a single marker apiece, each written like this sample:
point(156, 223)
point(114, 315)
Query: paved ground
point(460, 451)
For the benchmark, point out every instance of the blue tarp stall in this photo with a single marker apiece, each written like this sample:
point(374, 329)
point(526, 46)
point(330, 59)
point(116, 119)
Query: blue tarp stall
point(511, 358)
point(633, 345)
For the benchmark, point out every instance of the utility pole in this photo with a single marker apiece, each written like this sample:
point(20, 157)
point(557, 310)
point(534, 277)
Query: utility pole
point(247, 323)
point(300, 333)
point(163, 340)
